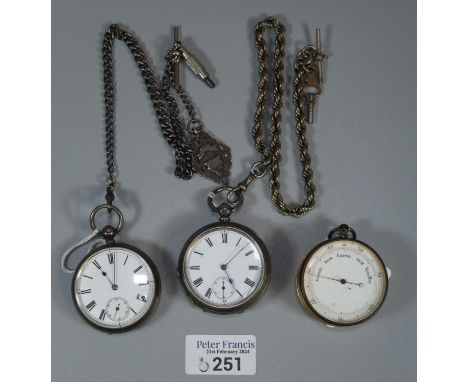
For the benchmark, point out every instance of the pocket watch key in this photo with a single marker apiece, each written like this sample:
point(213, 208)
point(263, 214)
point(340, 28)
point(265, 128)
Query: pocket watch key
point(209, 156)
point(314, 82)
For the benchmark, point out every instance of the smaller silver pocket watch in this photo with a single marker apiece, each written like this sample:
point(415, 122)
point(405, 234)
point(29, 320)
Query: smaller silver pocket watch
point(116, 285)
point(224, 267)
point(342, 281)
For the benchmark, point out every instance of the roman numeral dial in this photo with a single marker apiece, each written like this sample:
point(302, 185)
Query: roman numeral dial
point(224, 267)
point(107, 283)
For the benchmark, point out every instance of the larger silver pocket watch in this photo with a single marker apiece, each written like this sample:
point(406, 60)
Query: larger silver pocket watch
point(224, 267)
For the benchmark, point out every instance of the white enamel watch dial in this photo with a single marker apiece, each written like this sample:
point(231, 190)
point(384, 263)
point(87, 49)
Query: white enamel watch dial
point(115, 287)
point(342, 281)
point(224, 267)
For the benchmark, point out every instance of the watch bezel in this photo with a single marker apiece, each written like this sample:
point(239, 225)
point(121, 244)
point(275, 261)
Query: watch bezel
point(300, 288)
point(264, 282)
point(157, 288)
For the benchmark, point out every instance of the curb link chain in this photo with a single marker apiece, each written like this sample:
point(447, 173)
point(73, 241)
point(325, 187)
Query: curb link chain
point(164, 103)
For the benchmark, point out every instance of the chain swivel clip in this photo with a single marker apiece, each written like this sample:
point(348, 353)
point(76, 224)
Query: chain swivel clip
point(257, 171)
point(233, 197)
point(110, 183)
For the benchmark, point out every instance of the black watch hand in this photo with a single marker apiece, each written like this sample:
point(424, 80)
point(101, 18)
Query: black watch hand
point(107, 277)
point(342, 281)
point(234, 255)
point(231, 281)
point(115, 261)
point(358, 284)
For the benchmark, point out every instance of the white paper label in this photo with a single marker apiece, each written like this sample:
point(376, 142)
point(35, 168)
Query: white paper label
point(220, 354)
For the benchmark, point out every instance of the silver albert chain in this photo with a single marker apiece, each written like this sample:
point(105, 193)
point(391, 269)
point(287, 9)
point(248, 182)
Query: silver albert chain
point(195, 152)
point(116, 285)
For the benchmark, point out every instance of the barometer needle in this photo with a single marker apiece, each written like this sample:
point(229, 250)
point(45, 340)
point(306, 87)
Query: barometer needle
point(342, 281)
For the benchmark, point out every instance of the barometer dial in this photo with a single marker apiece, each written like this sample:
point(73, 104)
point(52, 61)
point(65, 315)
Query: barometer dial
point(342, 281)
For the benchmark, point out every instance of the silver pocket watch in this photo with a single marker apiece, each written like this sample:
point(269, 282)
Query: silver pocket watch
point(224, 267)
point(116, 285)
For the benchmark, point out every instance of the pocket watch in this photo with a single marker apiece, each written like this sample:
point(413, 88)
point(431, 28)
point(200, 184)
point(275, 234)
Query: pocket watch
point(224, 267)
point(342, 281)
point(116, 285)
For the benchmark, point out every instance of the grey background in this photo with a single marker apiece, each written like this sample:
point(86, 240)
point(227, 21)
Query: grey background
point(364, 156)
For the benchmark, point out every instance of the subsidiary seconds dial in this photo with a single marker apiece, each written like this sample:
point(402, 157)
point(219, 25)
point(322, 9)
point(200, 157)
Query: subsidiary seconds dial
point(224, 267)
point(115, 287)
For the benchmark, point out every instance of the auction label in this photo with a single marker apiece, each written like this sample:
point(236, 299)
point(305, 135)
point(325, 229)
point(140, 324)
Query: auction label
point(220, 354)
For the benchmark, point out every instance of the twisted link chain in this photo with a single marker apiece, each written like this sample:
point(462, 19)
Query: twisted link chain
point(271, 156)
point(165, 105)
